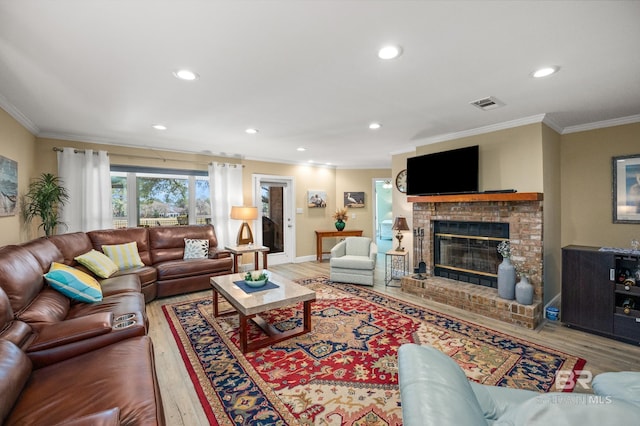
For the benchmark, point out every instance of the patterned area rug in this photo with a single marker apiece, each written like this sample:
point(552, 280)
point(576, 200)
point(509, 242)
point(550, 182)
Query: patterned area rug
point(345, 371)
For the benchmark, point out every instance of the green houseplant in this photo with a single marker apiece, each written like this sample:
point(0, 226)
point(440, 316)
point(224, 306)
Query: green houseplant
point(43, 200)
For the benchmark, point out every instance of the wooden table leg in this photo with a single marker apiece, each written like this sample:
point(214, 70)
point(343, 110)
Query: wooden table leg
point(264, 259)
point(318, 248)
point(256, 265)
point(244, 331)
point(215, 303)
point(307, 316)
point(235, 262)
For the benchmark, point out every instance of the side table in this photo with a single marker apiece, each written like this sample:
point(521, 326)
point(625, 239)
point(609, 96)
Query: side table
point(238, 251)
point(396, 265)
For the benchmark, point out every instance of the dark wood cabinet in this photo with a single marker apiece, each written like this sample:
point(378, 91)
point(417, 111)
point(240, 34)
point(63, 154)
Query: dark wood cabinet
point(594, 297)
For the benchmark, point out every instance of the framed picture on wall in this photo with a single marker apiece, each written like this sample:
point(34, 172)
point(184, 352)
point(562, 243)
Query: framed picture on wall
point(316, 198)
point(626, 189)
point(8, 186)
point(354, 200)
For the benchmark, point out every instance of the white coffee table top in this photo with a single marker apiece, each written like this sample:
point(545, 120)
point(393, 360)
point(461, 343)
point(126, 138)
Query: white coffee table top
point(286, 294)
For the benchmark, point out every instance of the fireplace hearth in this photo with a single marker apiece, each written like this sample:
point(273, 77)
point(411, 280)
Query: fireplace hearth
point(467, 246)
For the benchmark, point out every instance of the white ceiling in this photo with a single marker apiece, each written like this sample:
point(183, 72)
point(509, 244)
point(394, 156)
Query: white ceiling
point(306, 74)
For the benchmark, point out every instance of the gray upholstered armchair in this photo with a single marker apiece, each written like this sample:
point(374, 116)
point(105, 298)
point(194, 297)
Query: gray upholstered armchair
point(353, 261)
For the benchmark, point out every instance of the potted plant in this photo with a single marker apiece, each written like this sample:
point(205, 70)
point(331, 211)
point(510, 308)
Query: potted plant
point(43, 200)
point(340, 216)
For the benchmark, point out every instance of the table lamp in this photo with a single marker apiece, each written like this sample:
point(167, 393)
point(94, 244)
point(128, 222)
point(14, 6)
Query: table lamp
point(400, 224)
point(244, 213)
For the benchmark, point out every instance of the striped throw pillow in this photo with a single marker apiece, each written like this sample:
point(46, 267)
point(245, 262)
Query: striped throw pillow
point(98, 263)
point(73, 283)
point(124, 255)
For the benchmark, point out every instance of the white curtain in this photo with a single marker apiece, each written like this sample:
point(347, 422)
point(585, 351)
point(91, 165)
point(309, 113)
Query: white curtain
point(86, 176)
point(225, 184)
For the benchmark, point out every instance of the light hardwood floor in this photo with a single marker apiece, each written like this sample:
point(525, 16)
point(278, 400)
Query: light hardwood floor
point(182, 406)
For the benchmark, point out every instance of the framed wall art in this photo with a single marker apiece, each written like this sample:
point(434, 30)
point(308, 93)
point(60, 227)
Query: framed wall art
point(8, 186)
point(354, 199)
point(626, 189)
point(316, 198)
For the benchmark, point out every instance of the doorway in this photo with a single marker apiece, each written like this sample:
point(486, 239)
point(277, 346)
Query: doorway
point(383, 218)
point(273, 195)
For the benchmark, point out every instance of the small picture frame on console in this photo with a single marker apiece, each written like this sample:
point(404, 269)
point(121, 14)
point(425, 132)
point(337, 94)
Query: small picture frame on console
point(626, 189)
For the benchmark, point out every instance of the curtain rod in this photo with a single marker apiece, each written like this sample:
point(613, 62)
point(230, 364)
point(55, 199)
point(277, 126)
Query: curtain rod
point(149, 157)
point(76, 151)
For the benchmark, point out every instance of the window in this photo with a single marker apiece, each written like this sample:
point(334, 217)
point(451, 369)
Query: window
point(157, 197)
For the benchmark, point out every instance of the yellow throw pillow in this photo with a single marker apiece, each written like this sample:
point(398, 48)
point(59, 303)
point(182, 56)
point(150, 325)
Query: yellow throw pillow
point(73, 283)
point(98, 263)
point(124, 255)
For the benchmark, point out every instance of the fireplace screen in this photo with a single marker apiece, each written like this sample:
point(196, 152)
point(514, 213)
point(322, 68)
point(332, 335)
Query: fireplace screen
point(467, 251)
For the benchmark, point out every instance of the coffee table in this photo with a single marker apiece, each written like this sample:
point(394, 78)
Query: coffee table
point(250, 305)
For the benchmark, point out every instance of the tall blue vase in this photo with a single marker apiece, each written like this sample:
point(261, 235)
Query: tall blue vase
point(506, 280)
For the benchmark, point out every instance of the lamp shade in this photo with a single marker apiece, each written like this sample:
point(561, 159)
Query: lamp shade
point(400, 224)
point(244, 213)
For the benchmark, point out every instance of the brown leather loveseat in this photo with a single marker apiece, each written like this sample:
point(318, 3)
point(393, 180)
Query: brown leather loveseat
point(161, 250)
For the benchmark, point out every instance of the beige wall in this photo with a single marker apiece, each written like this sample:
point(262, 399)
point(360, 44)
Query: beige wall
point(509, 159)
point(527, 159)
point(359, 180)
point(586, 180)
point(573, 171)
point(125, 156)
point(400, 205)
point(306, 177)
point(552, 218)
point(17, 144)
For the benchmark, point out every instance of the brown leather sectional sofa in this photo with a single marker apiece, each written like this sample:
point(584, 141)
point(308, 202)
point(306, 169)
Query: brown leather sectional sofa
point(64, 361)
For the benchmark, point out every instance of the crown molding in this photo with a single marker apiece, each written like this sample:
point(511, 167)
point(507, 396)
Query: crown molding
point(552, 124)
point(602, 124)
point(18, 115)
point(484, 129)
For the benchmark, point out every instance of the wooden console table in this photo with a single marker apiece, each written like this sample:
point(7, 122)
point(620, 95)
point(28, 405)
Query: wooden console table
point(326, 234)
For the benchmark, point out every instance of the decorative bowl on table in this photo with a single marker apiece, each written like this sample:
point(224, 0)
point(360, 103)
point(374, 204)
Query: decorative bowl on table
point(256, 278)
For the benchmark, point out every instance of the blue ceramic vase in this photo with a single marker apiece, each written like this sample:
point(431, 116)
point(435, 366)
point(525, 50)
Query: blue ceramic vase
point(506, 280)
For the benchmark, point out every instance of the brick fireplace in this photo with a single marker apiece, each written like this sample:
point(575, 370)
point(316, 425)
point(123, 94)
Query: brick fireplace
point(523, 214)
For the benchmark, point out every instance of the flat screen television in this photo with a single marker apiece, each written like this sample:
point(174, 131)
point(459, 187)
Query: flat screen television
point(447, 172)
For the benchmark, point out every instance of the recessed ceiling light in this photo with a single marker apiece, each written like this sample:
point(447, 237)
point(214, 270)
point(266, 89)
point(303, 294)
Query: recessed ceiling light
point(187, 75)
point(545, 72)
point(375, 126)
point(389, 52)
point(301, 149)
point(159, 127)
point(252, 131)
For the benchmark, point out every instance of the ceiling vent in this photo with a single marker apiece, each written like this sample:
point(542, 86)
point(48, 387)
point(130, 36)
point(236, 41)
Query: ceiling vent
point(487, 103)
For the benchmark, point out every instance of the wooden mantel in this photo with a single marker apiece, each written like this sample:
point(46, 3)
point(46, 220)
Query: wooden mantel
point(479, 197)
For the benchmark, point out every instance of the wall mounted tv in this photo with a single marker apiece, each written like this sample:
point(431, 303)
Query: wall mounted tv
point(447, 172)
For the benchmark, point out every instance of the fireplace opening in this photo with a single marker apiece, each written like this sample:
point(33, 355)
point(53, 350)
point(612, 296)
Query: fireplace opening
point(467, 251)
